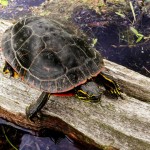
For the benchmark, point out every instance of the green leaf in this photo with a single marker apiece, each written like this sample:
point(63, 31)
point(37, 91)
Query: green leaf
point(132, 9)
point(94, 41)
point(119, 14)
point(139, 39)
point(4, 2)
point(140, 35)
point(134, 30)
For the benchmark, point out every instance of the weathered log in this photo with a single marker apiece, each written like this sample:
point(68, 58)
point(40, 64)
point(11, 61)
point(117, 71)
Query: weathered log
point(120, 123)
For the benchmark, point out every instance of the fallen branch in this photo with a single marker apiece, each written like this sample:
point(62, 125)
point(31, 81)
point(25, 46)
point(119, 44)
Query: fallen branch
point(120, 123)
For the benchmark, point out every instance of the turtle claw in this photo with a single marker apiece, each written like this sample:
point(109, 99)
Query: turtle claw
point(115, 92)
point(33, 117)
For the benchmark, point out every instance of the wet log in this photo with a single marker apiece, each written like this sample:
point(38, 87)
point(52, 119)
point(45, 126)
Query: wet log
point(120, 123)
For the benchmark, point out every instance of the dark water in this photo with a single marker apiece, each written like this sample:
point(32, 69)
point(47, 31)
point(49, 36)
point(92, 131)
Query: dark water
point(45, 139)
point(18, 8)
point(112, 33)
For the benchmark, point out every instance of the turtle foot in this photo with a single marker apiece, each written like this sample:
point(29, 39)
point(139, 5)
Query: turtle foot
point(8, 69)
point(110, 85)
point(34, 110)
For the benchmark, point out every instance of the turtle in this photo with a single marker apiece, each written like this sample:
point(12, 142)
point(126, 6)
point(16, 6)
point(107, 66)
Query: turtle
point(49, 56)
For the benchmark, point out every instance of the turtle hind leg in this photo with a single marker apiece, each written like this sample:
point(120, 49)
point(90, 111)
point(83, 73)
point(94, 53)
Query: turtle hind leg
point(34, 109)
point(8, 69)
point(110, 85)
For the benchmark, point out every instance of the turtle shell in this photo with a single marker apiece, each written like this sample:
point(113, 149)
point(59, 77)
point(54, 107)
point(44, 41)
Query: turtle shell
point(48, 56)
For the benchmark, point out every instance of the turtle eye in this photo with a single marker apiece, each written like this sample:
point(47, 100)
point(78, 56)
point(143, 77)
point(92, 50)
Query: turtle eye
point(94, 99)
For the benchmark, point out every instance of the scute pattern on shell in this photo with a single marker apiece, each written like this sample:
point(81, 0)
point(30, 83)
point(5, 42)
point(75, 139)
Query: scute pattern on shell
point(49, 57)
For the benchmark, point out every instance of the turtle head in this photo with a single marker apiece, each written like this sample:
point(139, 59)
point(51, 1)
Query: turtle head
point(89, 91)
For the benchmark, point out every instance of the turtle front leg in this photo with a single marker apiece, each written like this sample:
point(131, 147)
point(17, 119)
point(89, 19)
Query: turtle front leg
point(35, 108)
point(8, 69)
point(110, 85)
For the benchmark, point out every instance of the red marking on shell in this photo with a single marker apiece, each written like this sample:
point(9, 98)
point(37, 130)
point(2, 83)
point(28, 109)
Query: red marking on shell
point(64, 94)
point(102, 69)
point(80, 83)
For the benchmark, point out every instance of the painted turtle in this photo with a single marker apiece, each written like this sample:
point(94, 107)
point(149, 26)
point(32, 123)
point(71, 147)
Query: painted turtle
point(50, 57)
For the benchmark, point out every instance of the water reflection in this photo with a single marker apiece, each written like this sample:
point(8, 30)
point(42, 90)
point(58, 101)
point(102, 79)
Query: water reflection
point(17, 8)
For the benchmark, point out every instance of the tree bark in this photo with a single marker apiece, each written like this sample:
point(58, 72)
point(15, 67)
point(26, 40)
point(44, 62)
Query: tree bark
point(119, 123)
